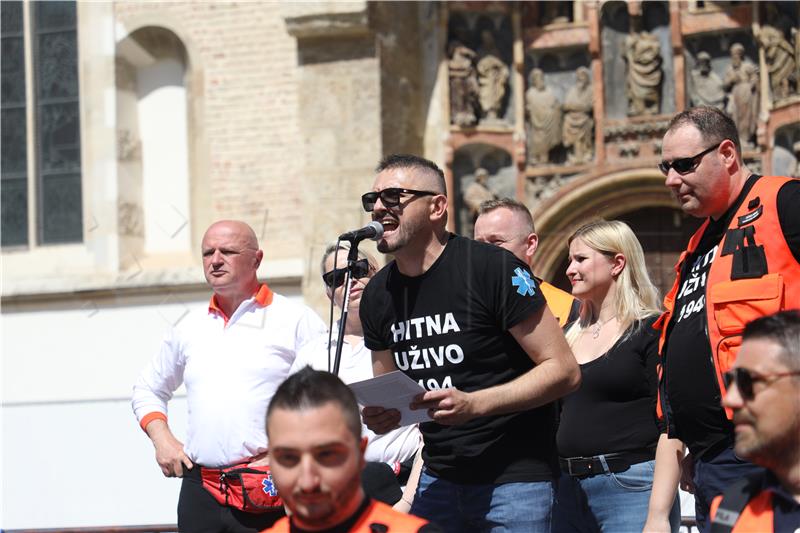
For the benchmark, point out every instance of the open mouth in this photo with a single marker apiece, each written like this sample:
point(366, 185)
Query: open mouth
point(389, 225)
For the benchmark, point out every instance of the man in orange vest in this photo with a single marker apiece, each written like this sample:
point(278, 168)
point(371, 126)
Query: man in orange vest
point(508, 224)
point(743, 263)
point(316, 455)
point(764, 395)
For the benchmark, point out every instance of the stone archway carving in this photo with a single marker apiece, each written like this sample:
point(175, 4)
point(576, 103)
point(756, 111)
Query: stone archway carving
point(589, 198)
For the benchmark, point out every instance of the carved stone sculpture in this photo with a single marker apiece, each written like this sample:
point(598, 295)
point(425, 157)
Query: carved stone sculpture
point(779, 55)
point(741, 82)
point(463, 85)
point(544, 115)
point(706, 86)
point(477, 192)
point(643, 83)
point(492, 78)
point(578, 122)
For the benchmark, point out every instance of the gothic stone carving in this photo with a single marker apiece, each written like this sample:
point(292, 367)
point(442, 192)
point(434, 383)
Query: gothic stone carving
point(578, 122)
point(544, 114)
point(463, 85)
point(741, 82)
point(643, 84)
point(492, 78)
point(706, 86)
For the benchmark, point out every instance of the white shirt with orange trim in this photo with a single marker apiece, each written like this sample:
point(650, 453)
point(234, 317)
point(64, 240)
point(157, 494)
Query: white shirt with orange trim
point(356, 365)
point(231, 368)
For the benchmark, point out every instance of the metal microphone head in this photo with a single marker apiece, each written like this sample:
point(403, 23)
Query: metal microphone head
point(378, 227)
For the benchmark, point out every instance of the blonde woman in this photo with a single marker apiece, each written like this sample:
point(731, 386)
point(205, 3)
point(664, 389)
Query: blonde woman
point(609, 431)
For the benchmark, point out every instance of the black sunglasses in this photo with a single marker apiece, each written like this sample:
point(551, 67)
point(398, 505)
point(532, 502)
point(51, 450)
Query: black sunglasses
point(389, 197)
point(744, 379)
point(684, 165)
point(335, 277)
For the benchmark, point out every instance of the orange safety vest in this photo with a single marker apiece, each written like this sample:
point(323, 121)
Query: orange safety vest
point(377, 513)
point(561, 303)
point(740, 287)
point(756, 517)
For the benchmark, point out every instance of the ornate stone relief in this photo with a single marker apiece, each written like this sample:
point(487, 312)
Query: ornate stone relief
point(577, 133)
point(463, 85)
point(781, 61)
point(544, 118)
point(492, 78)
point(705, 87)
point(642, 52)
point(741, 85)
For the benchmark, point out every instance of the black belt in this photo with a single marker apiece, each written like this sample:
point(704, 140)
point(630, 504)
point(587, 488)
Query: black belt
point(604, 464)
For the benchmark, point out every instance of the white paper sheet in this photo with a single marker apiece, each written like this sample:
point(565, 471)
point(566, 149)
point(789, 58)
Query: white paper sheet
point(393, 390)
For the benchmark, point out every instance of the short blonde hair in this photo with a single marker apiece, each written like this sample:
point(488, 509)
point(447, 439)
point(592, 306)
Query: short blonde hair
point(636, 297)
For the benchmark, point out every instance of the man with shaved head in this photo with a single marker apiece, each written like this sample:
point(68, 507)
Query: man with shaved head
point(508, 224)
point(467, 321)
point(231, 355)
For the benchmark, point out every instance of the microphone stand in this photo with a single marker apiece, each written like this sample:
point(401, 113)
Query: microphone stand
point(352, 257)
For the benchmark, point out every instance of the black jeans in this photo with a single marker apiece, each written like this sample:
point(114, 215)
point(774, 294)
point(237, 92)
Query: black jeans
point(199, 512)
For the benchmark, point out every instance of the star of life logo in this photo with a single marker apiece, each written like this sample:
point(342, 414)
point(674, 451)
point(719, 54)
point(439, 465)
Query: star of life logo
point(523, 282)
point(269, 486)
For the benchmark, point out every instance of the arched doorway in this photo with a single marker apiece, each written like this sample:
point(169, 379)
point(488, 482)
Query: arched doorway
point(663, 233)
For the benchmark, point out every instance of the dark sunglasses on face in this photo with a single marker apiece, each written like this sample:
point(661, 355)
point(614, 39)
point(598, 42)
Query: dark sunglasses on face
point(744, 380)
point(685, 165)
point(389, 197)
point(335, 277)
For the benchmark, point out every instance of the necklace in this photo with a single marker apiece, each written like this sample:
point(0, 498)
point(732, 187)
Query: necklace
point(597, 326)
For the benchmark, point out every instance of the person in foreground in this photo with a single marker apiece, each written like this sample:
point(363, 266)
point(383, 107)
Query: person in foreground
point(742, 263)
point(317, 454)
point(508, 223)
point(609, 430)
point(389, 456)
point(467, 321)
point(764, 395)
point(231, 355)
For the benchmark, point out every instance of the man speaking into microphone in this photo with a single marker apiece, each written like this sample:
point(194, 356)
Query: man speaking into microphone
point(468, 322)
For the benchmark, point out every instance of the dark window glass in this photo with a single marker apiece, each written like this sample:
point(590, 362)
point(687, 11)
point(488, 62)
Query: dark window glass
point(57, 108)
point(13, 150)
point(61, 203)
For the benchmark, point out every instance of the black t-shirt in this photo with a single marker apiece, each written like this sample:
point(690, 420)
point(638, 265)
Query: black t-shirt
point(449, 328)
point(691, 384)
point(614, 410)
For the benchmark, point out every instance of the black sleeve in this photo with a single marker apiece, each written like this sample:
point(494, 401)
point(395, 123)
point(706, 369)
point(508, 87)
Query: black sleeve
point(648, 349)
point(369, 312)
point(789, 215)
point(508, 287)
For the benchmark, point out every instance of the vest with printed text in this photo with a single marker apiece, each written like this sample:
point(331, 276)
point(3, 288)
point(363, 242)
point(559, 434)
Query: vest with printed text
point(753, 274)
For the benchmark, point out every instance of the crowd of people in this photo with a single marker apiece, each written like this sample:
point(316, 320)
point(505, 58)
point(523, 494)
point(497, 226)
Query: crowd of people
point(547, 411)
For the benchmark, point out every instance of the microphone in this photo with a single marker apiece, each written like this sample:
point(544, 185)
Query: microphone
point(373, 230)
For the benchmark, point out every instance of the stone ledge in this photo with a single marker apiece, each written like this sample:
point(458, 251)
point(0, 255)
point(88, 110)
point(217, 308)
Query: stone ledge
point(328, 25)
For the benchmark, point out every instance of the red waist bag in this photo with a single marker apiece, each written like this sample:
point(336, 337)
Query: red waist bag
point(244, 488)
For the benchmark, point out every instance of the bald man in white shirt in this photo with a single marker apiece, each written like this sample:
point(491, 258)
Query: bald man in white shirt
point(231, 355)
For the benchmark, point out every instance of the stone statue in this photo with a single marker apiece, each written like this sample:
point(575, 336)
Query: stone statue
point(706, 86)
point(779, 54)
point(463, 85)
point(477, 192)
point(492, 78)
point(643, 83)
point(578, 122)
point(544, 114)
point(555, 12)
point(741, 82)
